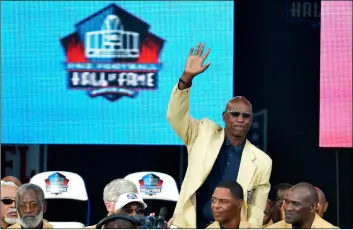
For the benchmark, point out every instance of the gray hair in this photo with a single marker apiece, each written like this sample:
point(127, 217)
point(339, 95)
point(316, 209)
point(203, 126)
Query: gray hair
point(117, 187)
point(8, 183)
point(27, 187)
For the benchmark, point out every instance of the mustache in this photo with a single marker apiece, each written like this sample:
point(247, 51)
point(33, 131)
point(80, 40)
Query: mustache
point(29, 216)
point(11, 210)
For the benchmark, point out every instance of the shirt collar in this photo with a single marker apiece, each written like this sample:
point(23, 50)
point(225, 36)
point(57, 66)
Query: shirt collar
point(227, 143)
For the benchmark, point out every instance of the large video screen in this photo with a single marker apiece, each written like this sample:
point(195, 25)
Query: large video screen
point(87, 72)
point(336, 74)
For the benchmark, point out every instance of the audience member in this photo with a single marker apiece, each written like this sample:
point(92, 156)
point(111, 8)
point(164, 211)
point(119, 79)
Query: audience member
point(277, 195)
point(31, 206)
point(112, 192)
point(118, 221)
point(130, 204)
point(323, 204)
point(12, 179)
point(9, 214)
point(227, 201)
point(268, 213)
point(300, 209)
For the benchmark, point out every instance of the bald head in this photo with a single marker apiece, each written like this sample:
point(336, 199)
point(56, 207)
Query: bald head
point(323, 204)
point(12, 179)
point(307, 191)
point(238, 100)
point(321, 194)
point(300, 205)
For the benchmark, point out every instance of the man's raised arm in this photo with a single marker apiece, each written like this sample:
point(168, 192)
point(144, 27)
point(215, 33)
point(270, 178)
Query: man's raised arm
point(178, 113)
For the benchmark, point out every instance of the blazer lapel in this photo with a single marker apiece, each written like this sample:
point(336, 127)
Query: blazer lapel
point(246, 170)
point(213, 148)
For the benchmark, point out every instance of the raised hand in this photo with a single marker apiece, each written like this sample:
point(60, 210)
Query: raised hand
point(194, 62)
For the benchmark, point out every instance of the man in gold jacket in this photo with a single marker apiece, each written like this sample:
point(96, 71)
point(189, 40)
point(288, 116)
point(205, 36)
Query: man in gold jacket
point(227, 201)
point(300, 205)
point(31, 205)
point(216, 154)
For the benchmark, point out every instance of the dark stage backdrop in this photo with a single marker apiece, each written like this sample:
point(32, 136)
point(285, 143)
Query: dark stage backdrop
point(277, 66)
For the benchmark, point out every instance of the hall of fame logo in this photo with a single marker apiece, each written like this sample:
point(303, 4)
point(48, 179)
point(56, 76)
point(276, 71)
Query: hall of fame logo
point(56, 183)
point(150, 184)
point(112, 54)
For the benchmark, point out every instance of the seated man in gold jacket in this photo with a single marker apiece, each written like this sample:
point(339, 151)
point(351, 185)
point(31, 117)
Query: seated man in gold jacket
point(300, 205)
point(31, 205)
point(227, 201)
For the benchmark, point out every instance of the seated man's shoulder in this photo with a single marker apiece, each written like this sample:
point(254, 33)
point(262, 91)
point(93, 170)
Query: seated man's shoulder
point(324, 224)
point(244, 224)
point(46, 225)
point(213, 225)
point(16, 225)
point(280, 224)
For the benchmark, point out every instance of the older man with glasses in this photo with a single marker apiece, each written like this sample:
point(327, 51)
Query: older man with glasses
point(131, 204)
point(9, 214)
point(113, 191)
point(31, 206)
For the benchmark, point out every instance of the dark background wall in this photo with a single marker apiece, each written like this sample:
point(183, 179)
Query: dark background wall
point(277, 67)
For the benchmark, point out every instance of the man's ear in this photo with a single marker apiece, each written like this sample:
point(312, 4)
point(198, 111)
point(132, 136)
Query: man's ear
point(224, 117)
point(45, 207)
point(110, 206)
point(240, 204)
point(326, 206)
point(314, 207)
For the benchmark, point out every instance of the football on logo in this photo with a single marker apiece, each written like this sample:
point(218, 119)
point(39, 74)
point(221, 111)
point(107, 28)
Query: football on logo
point(112, 54)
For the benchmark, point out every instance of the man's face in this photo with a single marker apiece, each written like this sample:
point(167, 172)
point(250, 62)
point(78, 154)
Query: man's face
point(296, 207)
point(30, 208)
point(224, 206)
point(267, 212)
point(238, 118)
point(281, 194)
point(133, 209)
point(8, 207)
point(110, 205)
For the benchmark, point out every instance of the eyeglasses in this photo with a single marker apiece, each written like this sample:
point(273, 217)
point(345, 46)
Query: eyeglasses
point(7, 201)
point(237, 114)
point(130, 211)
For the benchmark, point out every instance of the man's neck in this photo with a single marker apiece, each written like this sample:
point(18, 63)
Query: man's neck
point(236, 141)
point(305, 224)
point(232, 224)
